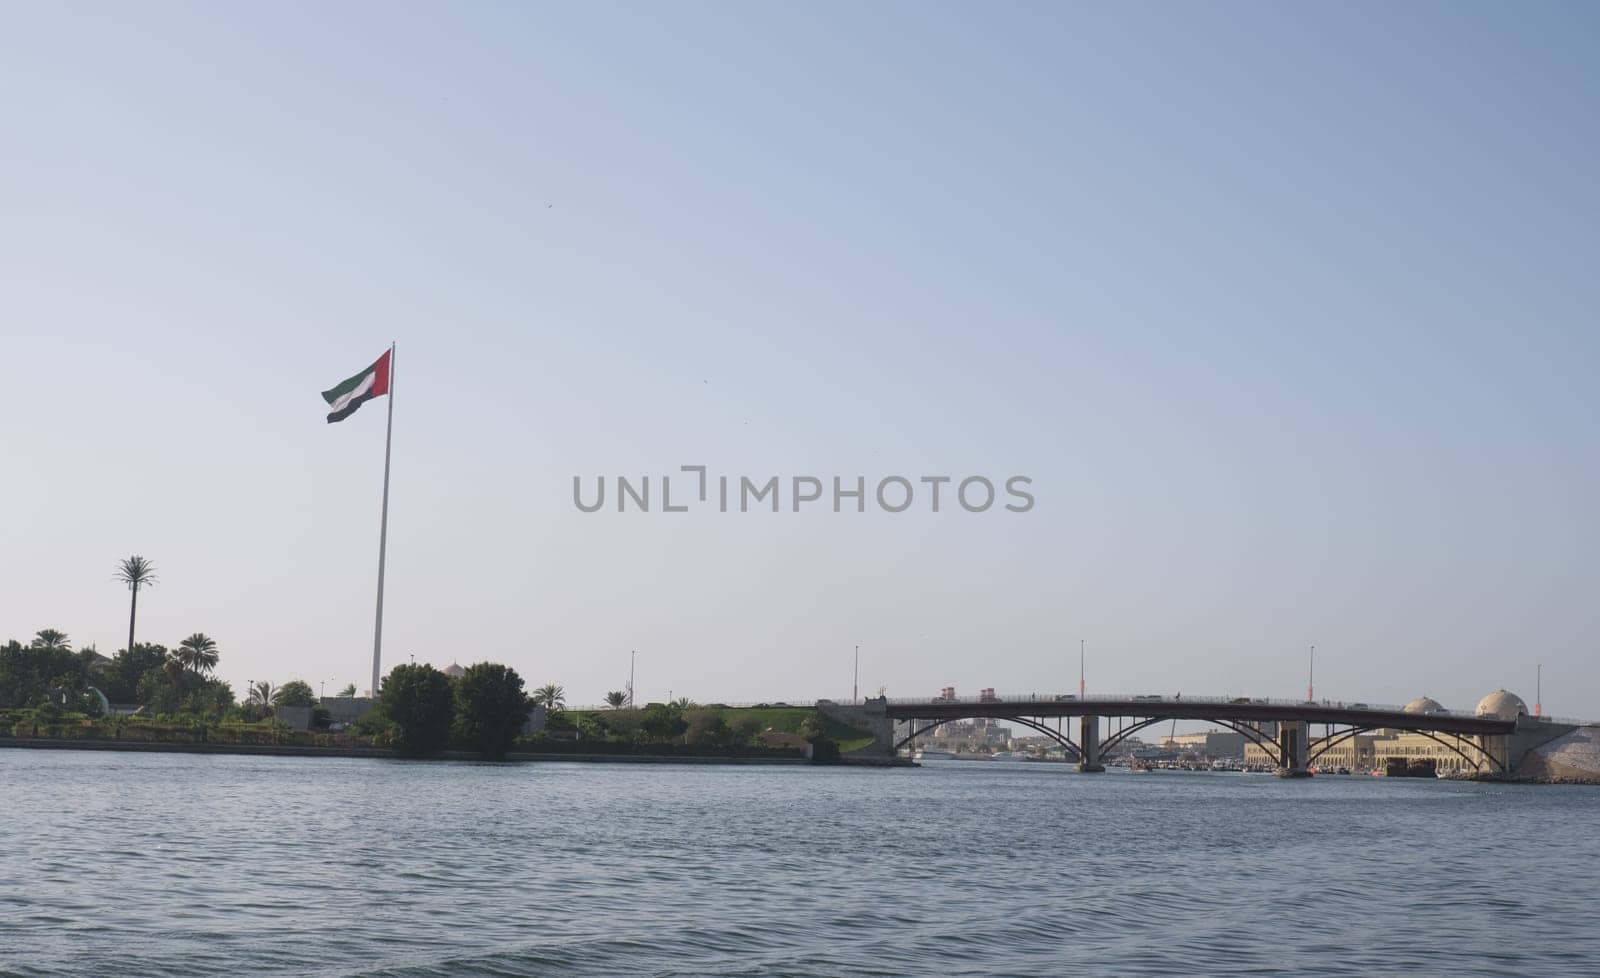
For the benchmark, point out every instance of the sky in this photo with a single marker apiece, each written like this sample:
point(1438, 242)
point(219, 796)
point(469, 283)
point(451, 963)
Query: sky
point(1287, 312)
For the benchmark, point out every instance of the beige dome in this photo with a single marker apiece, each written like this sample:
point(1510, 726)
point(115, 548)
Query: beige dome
point(454, 671)
point(1502, 705)
point(1424, 704)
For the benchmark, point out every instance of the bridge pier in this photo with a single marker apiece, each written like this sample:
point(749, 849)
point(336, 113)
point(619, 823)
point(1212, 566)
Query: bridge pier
point(1294, 740)
point(1089, 744)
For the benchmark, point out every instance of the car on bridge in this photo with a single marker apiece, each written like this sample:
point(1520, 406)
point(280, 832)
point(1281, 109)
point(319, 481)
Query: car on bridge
point(1066, 698)
point(1148, 698)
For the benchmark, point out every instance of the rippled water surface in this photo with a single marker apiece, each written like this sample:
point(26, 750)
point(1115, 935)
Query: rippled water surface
point(171, 864)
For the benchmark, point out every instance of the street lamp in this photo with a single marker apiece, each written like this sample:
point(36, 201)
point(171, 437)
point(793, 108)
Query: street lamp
point(855, 688)
point(632, 658)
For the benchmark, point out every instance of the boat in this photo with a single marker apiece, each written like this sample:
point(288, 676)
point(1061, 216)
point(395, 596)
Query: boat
point(928, 754)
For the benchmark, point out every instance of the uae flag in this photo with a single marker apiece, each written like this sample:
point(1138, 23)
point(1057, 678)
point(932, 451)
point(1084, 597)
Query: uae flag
point(344, 398)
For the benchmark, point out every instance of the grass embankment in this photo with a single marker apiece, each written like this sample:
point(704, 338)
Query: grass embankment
point(778, 719)
point(25, 724)
point(789, 720)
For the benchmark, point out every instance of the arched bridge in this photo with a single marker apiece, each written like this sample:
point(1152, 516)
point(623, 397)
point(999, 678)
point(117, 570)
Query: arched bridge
point(1283, 728)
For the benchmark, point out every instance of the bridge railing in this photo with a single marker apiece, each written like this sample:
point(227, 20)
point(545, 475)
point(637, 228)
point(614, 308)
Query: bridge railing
point(1176, 699)
point(803, 704)
point(1122, 699)
point(1133, 699)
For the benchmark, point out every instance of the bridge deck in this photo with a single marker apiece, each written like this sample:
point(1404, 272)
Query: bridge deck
point(1197, 708)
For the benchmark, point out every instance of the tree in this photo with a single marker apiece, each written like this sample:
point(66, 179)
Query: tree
point(295, 692)
point(136, 572)
point(823, 748)
point(491, 707)
point(588, 726)
point(211, 698)
point(416, 702)
point(26, 674)
point(51, 640)
point(91, 661)
point(745, 731)
point(261, 694)
point(707, 728)
point(550, 696)
point(349, 691)
point(198, 653)
point(161, 690)
point(616, 699)
point(663, 722)
point(127, 668)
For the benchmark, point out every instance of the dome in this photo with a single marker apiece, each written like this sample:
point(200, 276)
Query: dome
point(1502, 705)
point(454, 671)
point(1424, 704)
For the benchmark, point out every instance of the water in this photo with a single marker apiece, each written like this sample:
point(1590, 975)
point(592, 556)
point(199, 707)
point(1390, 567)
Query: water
point(171, 864)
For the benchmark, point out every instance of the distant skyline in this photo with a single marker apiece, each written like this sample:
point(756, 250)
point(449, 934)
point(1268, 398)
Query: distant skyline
point(1286, 312)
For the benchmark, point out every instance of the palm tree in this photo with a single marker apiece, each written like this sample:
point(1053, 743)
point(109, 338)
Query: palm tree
point(136, 572)
point(349, 690)
point(550, 696)
point(198, 652)
point(616, 698)
point(91, 660)
point(52, 640)
point(261, 694)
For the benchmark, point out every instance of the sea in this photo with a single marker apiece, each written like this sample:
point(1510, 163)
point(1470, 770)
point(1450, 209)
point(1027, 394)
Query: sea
point(125, 864)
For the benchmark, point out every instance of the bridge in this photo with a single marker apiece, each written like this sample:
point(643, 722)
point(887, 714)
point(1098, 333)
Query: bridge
point(1492, 740)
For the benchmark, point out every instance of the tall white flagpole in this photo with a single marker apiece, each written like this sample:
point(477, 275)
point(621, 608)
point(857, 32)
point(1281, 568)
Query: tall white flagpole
point(383, 533)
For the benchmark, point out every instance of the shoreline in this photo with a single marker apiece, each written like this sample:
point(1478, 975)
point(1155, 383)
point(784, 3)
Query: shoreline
point(382, 753)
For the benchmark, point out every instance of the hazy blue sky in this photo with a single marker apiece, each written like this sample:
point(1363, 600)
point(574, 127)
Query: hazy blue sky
point(1288, 312)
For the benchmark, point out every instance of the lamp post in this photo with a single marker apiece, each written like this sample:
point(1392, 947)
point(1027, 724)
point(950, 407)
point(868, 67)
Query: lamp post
point(1080, 668)
point(1311, 677)
point(1538, 692)
point(632, 657)
point(855, 687)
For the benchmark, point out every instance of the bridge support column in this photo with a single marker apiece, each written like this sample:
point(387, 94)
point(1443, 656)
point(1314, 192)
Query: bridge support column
point(1089, 742)
point(1294, 740)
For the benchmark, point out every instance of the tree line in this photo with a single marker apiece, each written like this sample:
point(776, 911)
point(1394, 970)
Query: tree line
point(176, 682)
point(421, 711)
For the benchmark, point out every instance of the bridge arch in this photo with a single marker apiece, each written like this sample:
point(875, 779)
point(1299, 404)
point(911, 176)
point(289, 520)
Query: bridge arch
point(1251, 734)
point(1065, 741)
point(1323, 744)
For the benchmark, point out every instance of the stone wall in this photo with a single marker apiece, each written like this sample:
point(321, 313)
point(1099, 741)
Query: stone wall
point(870, 716)
point(1573, 758)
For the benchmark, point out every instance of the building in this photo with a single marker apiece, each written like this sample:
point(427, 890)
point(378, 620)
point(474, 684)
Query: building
point(1210, 744)
point(345, 709)
point(977, 732)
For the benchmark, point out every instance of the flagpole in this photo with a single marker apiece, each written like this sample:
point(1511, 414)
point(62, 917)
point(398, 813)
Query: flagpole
point(383, 533)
